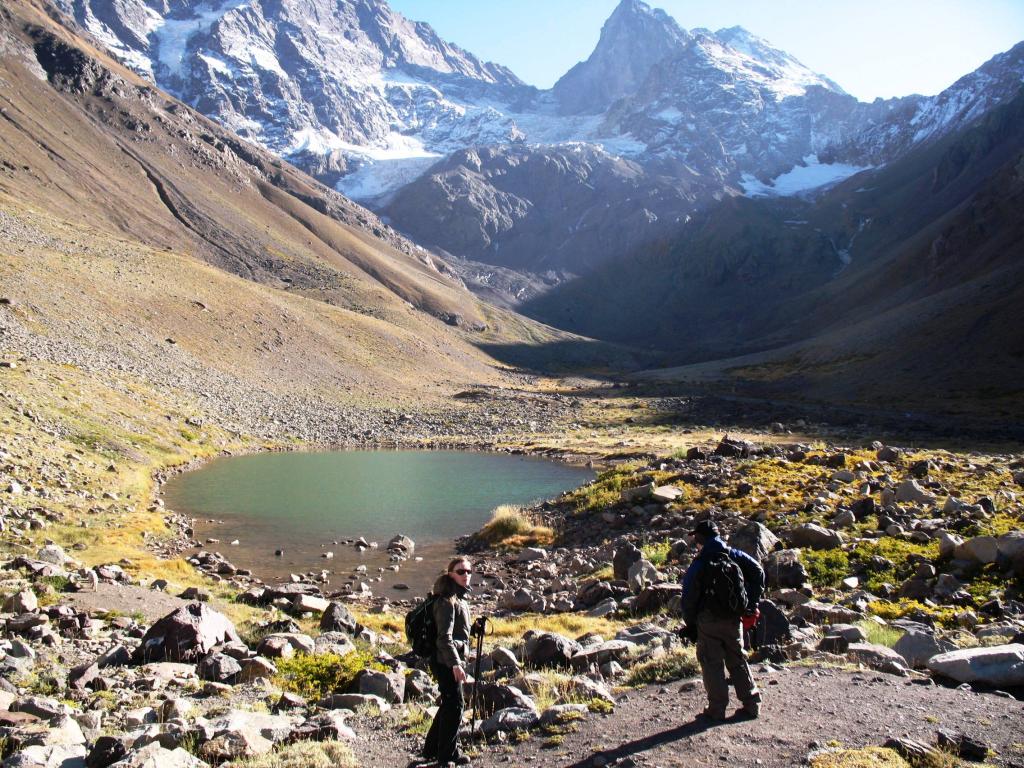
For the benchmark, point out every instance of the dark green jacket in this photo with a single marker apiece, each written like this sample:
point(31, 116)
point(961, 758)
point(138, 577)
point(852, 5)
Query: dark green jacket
point(451, 616)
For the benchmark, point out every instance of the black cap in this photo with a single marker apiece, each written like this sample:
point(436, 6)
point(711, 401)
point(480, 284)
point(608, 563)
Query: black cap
point(706, 528)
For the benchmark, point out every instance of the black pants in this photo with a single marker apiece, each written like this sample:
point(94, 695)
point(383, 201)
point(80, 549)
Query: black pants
point(442, 738)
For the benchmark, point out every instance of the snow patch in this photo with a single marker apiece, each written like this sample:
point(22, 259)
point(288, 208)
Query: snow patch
point(376, 180)
point(670, 115)
point(215, 64)
point(172, 35)
point(800, 179)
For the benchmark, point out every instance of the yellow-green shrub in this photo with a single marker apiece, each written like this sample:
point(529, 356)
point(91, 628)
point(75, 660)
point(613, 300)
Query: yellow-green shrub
point(316, 675)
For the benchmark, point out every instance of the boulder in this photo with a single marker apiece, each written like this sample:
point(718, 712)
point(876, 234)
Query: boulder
point(591, 592)
point(55, 756)
point(402, 544)
point(948, 543)
point(980, 549)
point(916, 647)
point(275, 728)
point(581, 687)
point(1011, 547)
point(24, 601)
point(326, 726)
point(878, 657)
point(551, 650)
point(666, 494)
point(1000, 665)
point(783, 569)
point(623, 558)
point(419, 685)
point(353, 701)
point(844, 519)
point(389, 686)
point(754, 539)
point(55, 555)
point(887, 453)
point(337, 643)
point(529, 554)
point(155, 756)
point(338, 618)
point(186, 635)
point(285, 644)
point(517, 600)
point(773, 626)
point(494, 697)
point(735, 448)
point(814, 537)
point(503, 657)
point(218, 667)
point(256, 668)
point(562, 714)
point(851, 633)
point(911, 491)
point(42, 707)
point(602, 653)
point(510, 719)
point(655, 597)
point(640, 493)
point(820, 613)
point(309, 604)
point(608, 606)
point(107, 750)
point(640, 574)
point(643, 634)
point(244, 742)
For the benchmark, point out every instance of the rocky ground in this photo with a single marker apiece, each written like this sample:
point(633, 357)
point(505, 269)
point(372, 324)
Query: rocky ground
point(893, 612)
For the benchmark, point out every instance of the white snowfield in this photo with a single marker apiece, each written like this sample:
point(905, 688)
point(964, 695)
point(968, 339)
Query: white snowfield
point(801, 179)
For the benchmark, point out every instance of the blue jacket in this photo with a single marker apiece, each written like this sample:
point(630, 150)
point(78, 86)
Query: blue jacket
point(693, 587)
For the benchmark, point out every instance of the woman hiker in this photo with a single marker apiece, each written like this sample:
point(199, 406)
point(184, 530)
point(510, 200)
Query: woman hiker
point(451, 615)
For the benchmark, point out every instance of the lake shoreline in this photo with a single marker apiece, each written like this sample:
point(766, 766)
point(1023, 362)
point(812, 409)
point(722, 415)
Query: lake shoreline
point(195, 535)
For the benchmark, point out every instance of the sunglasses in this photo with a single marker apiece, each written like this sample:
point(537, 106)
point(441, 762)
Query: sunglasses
point(463, 571)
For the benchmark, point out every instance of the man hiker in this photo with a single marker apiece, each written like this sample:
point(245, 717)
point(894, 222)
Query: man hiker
point(721, 590)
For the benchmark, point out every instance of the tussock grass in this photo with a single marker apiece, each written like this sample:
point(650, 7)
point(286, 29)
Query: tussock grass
point(510, 528)
point(866, 757)
point(415, 721)
point(880, 634)
point(674, 665)
point(303, 754)
point(512, 628)
point(944, 615)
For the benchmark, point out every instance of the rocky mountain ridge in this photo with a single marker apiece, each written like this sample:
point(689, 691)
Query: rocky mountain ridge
point(633, 188)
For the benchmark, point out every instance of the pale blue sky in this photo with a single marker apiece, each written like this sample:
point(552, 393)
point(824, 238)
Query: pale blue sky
point(869, 47)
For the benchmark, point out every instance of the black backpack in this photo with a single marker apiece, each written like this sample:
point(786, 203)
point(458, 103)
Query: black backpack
point(724, 591)
point(421, 629)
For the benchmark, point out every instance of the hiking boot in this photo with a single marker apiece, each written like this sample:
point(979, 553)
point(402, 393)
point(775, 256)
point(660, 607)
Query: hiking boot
point(750, 710)
point(714, 715)
point(463, 760)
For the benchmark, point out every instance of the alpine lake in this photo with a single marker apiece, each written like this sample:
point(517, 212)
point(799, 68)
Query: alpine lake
point(307, 505)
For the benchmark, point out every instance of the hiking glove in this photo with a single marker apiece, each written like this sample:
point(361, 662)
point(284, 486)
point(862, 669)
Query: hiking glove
point(750, 619)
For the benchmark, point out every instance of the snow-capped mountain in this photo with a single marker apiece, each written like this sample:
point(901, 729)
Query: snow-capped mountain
point(393, 116)
point(324, 82)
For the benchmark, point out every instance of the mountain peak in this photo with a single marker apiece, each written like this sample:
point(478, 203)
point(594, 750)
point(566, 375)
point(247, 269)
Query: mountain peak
point(633, 39)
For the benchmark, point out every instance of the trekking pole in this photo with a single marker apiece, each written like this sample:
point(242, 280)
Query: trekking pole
point(477, 630)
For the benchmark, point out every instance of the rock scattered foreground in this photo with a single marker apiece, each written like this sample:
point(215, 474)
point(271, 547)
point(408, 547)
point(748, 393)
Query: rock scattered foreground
point(83, 676)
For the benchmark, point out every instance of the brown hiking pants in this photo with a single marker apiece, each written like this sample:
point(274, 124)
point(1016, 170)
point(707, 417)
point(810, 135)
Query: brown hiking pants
point(720, 647)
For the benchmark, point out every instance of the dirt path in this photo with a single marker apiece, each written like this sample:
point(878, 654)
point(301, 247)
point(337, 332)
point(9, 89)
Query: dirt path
point(803, 708)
